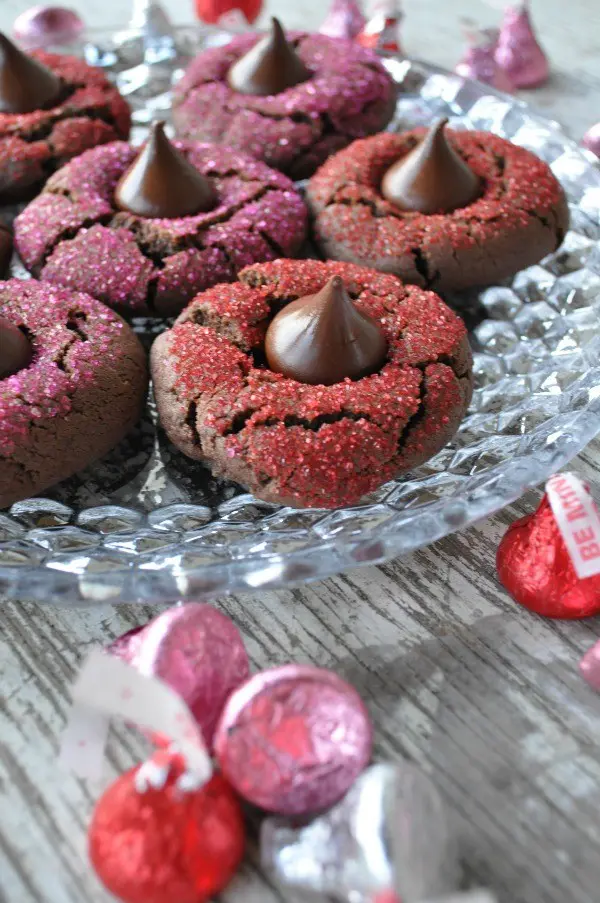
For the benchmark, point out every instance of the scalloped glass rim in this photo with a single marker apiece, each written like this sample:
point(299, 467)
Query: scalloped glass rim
point(536, 405)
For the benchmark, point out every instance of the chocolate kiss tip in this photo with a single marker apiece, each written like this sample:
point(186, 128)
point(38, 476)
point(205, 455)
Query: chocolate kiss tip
point(270, 67)
point(431, 178)
point(162, 184)
point(323, 339)
point(25, 84)
point(16, 349)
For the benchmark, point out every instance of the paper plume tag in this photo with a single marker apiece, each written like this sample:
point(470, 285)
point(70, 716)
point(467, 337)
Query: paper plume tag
point(106, 688)
point(578, 520)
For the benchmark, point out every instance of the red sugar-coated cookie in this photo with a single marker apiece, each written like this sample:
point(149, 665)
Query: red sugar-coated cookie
point(89, 111)
point(521, 216)
point(307, 445)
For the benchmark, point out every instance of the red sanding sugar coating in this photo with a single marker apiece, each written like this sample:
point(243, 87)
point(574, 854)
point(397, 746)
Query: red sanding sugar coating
point(300, 444)
point(88, 112)
point(166, 845)
point(521, 215)
point(293, 739)
point(535, 567)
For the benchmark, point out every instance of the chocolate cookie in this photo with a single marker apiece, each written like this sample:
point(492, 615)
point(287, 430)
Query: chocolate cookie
point(74, 385)
point(79, 109)
point(301, 444)
point(345, 93)
point(518, 215)
point(6, 249)
point(74, 235)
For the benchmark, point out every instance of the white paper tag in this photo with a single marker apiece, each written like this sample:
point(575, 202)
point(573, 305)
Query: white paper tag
point(107, 687)
point(578, 520)
point(83, 742)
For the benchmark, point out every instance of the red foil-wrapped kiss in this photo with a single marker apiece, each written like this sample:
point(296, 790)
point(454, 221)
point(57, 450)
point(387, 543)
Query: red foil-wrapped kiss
point(536, 564)
point(165, 844)
point(216, 11)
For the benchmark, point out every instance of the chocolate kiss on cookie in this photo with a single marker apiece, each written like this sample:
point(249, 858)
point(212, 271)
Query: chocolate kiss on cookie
point(162, 184)
point(432, 178)
point(322, 339)
point(15, 349)
point(25, 84)
point(270, 67)
point(6, 247)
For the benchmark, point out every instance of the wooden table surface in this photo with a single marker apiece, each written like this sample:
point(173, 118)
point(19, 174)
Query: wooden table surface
point(484, 696)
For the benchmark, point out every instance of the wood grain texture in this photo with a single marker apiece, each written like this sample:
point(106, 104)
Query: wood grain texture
point(483, 695)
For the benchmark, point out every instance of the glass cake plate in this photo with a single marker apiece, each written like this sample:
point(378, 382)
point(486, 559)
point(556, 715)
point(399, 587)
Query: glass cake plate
point(146, 524)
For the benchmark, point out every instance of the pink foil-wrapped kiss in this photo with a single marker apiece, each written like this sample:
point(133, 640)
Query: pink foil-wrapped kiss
point(293, 739)
point(47, 26)
point(518, 52)
point(197, 651)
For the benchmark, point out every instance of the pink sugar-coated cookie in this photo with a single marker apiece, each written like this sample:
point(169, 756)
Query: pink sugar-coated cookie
point(350, 95)
point(73, 235)
point(293, 739)
point(521, 216)
point(81, 393)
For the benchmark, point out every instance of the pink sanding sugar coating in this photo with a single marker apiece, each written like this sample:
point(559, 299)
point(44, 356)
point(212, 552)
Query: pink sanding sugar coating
point(590, 666)
point(349, 95)
point(198, 652)
point(83, 242)
point(293, 739)
point(44, 390)
point(346, 78)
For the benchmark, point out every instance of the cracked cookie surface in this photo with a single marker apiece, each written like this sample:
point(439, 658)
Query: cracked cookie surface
point(83, 390)
point(90, 111)
point(350, 95)
point(73, 234)
point(521, 216)
point(299, 444)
